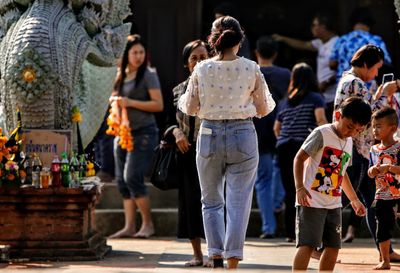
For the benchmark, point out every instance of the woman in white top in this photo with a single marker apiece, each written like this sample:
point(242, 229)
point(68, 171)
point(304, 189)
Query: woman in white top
point(226, 92)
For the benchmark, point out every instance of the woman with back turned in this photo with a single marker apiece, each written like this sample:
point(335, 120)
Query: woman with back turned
point(226, 91)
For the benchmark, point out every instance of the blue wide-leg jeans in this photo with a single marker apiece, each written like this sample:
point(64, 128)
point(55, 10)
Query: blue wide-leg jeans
point(227, 156)
point(265, 193)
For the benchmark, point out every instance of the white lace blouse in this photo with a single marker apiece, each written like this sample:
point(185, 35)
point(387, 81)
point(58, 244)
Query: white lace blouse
point(227, 90)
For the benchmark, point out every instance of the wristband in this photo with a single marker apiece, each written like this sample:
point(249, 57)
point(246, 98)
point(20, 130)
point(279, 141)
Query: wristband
point(355, 200)
point(299, 189)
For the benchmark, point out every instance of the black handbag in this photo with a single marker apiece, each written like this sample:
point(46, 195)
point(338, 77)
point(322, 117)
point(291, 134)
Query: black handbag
point(164, 167)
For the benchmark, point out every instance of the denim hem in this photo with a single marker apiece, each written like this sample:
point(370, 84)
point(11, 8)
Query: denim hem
point(212, 252)
point(237, 253)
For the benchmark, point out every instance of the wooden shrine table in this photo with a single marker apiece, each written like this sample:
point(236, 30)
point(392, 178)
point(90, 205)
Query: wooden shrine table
point(50, 224)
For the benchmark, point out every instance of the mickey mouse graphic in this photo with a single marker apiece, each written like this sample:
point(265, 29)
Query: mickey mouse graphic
point(329, 163)
point(325, 182)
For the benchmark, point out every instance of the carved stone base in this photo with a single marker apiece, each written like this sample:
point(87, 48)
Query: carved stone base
point(50, 224)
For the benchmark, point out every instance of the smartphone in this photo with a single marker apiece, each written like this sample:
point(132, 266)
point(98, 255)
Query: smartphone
point(387, 77)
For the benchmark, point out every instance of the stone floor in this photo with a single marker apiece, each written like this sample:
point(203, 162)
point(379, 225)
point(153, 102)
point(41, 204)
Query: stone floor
point(169, 255)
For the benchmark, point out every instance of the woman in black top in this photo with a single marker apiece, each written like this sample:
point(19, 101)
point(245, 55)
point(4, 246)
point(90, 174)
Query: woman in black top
point(190, 220)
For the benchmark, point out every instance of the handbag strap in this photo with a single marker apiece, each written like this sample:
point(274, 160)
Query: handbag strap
point(167, 135)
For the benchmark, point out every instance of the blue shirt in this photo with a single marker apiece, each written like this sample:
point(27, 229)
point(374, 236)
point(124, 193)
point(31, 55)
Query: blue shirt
point(297, 122)
point(348, 44)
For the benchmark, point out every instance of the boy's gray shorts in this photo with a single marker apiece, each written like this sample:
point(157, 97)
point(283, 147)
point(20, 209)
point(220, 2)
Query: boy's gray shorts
point(318, 227)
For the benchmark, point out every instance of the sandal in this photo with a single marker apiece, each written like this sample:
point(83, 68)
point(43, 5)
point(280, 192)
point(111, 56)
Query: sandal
point(218, 263)
point(193, 263)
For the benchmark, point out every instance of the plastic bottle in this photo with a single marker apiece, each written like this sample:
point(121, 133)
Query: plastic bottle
point(56, 172)
point(65, 174)
point(36, 162)
point(36, 168)
point(27, 166)
point(36, 177)
point(74, 169)
point(45, 178)
point(82, 166)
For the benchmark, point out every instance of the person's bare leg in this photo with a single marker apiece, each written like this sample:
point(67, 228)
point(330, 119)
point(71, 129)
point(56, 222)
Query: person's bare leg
point(394, 257)
point(232, 263)
point(328, 259)
point(350, 234)
point(147, 227)
point(197, 259)
point(302, 258)
point(130, 220)
point(384, 250)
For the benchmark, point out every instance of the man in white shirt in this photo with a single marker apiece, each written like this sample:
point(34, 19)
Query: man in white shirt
point(325, 39)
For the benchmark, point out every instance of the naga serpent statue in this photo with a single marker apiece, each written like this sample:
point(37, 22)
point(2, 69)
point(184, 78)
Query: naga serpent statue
point(57, 54)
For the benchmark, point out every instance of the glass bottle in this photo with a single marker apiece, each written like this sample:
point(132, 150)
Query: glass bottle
point(27, 166)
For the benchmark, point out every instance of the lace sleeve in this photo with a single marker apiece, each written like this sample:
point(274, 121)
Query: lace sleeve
point(262, 98)
point(189, 102)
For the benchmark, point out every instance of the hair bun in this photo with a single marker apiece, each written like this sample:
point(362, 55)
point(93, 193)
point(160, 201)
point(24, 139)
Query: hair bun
point(226, 33)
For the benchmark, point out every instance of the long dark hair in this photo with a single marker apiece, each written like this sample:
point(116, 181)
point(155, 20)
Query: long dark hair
point(132, 40)
point(303, 81)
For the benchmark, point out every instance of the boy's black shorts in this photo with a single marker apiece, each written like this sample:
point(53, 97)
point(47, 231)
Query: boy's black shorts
point(316, 225)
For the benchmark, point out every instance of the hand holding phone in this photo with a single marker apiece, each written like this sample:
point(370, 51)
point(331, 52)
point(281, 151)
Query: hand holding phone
point(387, 78)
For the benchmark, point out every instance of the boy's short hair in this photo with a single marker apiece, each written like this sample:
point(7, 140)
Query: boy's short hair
point(389, 114)
point(357, 110)
point(267, 47)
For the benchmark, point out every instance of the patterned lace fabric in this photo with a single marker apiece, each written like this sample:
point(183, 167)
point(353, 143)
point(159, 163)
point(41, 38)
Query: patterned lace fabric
point(220, 90)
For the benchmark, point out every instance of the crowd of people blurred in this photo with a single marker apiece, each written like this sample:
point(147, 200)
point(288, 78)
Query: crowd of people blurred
point(230, 136)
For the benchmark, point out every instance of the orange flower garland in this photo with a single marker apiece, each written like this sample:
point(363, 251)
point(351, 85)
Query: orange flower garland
point(118, 125)
point(113, 120)
point(126, 139)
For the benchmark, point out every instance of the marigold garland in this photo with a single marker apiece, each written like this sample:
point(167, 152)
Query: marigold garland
point(118, 125)
point(113, 120)
point(126, 139)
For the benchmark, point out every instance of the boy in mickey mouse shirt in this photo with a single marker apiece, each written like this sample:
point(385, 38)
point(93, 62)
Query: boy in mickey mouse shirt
point(384, 167)
point(320, 174)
